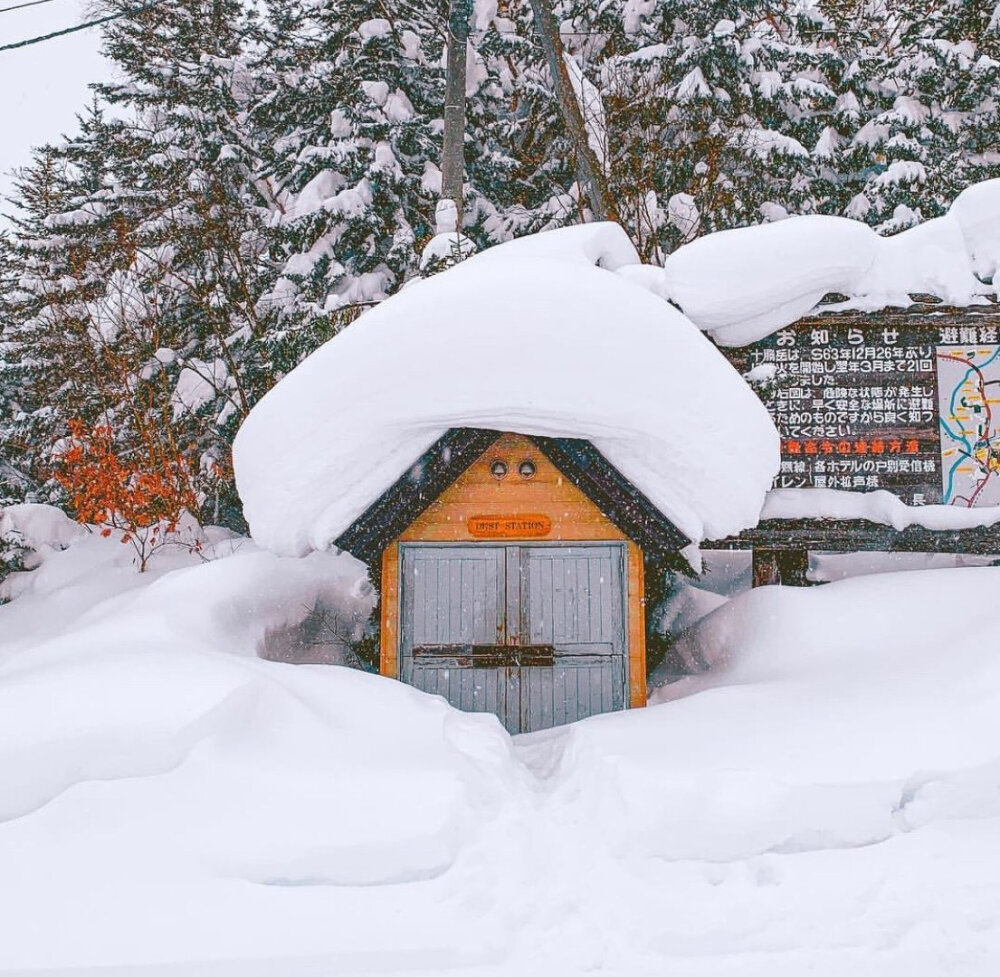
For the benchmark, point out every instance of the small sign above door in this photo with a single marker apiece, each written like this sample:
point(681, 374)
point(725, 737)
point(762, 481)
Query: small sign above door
point(509, 527)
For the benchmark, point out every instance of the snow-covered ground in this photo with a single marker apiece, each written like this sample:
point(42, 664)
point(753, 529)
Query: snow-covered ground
point(825, 800)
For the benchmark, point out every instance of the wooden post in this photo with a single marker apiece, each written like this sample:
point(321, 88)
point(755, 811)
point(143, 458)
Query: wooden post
point(789, 567)
point(636, 614)
point(453, 149)
point(389, 638)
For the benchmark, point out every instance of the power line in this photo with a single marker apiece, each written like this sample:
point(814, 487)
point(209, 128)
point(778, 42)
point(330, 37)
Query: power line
point(80, 27)
point(21, 6)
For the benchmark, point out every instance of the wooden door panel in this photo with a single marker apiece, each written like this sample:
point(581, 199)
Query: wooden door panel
point(532, 633)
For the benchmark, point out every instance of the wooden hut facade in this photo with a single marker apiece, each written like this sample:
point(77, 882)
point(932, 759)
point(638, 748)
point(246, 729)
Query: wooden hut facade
point(512, 577)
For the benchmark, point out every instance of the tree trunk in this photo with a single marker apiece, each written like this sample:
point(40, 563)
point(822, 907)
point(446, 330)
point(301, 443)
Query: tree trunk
point(590, 173)
point(453, 150)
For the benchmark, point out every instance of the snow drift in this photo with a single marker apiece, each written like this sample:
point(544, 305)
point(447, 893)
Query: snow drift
point(826, 800)
point(741, 285)
point(537, 336)
point(39, 527)
point(179, 784)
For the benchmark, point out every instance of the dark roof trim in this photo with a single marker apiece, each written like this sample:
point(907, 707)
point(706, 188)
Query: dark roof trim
point(924, 311)
point(413, 492)
point(452, 454)
point(614, 494)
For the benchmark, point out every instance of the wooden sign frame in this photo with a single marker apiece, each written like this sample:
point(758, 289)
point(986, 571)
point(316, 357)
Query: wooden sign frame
point(527, 526)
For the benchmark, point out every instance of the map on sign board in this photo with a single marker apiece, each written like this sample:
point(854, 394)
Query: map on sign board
point(969, 412)
point(912, 410)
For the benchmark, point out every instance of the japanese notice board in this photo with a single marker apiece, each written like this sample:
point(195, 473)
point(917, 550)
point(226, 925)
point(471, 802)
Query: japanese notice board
point(911, 410)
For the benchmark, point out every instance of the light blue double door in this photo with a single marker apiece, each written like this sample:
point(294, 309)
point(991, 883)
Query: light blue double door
point(533, 633)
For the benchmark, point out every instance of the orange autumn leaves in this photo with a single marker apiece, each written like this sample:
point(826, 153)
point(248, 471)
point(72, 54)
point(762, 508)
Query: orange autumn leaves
point(144, 497)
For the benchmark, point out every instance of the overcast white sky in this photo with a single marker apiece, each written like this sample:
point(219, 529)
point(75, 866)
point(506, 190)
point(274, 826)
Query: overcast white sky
point(42, 87)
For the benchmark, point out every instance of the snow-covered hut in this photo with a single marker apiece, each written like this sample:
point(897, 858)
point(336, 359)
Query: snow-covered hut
point(510, 444)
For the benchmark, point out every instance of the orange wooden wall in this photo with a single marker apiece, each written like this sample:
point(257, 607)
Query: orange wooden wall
point(573, 517)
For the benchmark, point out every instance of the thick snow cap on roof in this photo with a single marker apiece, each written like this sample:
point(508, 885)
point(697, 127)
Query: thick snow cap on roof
point(538, 336)
point(743, 284)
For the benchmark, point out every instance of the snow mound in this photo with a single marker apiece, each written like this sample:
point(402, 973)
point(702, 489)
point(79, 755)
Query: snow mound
point(172, 777)
point(537, 336)
point(854, 712)
point(39, 526)
point(31, 532)
point(449, 247)
point(741, 285)
point(977, 210)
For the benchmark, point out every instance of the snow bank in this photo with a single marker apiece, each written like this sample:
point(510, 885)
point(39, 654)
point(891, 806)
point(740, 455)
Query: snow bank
point(848, 714)
point(927, 259)
point(744, 284)
point(879, 506)
point(977, 210)
point(31, 532)
point(39, 526)
point(154, 772)
point(535, 336)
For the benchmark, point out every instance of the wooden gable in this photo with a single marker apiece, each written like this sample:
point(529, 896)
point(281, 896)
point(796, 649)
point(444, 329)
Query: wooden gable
point(478, 505)
point(574, 495)
point(577, 487)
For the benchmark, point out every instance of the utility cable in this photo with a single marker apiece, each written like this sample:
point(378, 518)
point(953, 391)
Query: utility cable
point(80, 27)
point(21, 6)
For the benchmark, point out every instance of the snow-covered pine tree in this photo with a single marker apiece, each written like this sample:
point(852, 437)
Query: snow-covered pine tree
point(521, 170)
point(186, 156)
point(711, 113)
point(351, 104)
point(925, 76)
point(142, 244)
point(14, 483)
point(63, 251)
point(851, 38)
point(350, 111)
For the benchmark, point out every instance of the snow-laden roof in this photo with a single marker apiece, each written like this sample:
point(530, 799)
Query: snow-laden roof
point(741, 285)
point(538, 336)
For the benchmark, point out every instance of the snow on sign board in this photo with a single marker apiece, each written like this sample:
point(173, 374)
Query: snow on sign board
point(740, 285)
point(912, 407)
